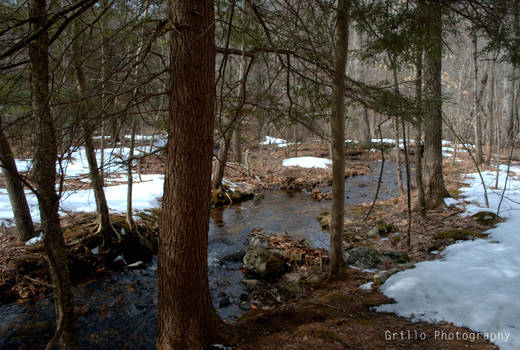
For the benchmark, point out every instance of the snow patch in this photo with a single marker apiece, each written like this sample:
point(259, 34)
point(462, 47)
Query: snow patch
point(366, 286)
point(307, 162)
point(450, 201)
point(476, 283)
point(275, 141)
point(35, 240)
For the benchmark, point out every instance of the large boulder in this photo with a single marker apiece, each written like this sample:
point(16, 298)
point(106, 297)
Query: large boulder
point(262, 261)
point(370, 258)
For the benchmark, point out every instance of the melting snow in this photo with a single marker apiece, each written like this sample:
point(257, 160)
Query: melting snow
point(145, 192)
point(476, 283)
point(307, 162)
point(366, 286)
point(35, 240)
point(275, 141)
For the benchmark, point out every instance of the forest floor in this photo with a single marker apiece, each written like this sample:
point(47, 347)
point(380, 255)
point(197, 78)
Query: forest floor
point(332, 314)
point(339, 315)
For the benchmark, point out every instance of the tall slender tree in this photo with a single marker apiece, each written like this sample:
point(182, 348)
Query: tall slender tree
point(14, 185)
point(337, 125)
point(434, 187)
point(45, 178)
point(421, 204)
point(363, 120)
point(104, 225)
point(477, 122)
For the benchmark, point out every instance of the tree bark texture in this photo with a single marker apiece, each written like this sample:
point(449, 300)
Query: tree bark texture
point(337, 124)
point(421, 204)
point(220, 165)
point(187, 319)
point(363, 121)
point(434, 187)
point(14, 185)
point(45, 179)
point(477, 125)
point(104, 225)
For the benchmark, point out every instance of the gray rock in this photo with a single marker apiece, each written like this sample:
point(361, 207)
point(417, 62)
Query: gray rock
point(262, 261)
point(368, 258)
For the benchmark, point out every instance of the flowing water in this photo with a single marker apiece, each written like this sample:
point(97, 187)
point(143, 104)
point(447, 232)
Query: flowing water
point(120, 312)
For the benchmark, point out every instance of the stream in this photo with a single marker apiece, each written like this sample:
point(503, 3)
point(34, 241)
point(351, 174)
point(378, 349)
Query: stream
point(120, 312)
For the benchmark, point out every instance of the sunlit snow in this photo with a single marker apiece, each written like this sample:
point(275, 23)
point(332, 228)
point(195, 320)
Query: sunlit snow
point(307, 162)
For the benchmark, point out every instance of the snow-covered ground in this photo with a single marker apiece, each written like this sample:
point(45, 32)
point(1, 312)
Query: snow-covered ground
point(307, 162)
point(145, 192)
point(268, 141)
point(144, 196)
point(78, 165)
point(477, 283)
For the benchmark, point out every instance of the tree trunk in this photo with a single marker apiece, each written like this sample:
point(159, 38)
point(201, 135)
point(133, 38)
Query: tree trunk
point(337, 124)
point(509, 103)
point(478, 120)
point(435, 190)
point(218, 174)
point(187, 319)
point(242, 76)
point(129, 218)
point(237, 147)
point(363, 122)
point(491, 113)
point(421, 204)
point(21, 212)
point(45, 179)
point(259, 111)
point(510, 94)
point(398, 156)
point(104, 224)
point(96, 180)
point(396, 133)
